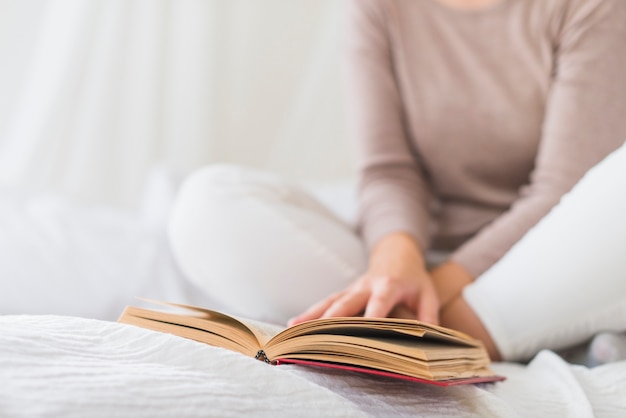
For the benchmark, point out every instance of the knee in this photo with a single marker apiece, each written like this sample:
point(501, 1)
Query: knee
point(214, 180)
point(202, 211)
point(197, 198)
point(210, 194)
point(219, 184)
point(223, 226)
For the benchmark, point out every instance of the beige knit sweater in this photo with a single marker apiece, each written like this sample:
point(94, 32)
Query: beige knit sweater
point(471, 125)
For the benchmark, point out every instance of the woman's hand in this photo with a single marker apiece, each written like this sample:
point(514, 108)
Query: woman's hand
point(396, 283)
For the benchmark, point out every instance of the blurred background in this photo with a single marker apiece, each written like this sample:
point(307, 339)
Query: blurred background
point(95, 95)
point(105, 105)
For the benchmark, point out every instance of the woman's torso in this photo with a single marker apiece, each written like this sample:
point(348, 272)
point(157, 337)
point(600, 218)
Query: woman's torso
point(474, 85)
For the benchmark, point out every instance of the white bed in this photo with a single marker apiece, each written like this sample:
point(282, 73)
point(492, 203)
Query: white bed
point(67, 366)
point(61, 263)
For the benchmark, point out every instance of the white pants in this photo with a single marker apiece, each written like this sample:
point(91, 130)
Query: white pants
point(265, 248)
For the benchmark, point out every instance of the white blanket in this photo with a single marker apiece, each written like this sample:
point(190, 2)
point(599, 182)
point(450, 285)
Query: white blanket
point(72, 367)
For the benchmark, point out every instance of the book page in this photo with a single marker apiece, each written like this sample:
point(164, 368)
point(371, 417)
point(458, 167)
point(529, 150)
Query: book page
point(380, 346)
point(186, 332)
point(199, 319)
point(252, 334)
point(411, 356)
point(263, 331)
point(350, 325)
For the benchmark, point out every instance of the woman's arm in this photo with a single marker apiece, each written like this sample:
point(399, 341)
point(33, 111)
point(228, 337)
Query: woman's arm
point(585, 119)
point(394, 197)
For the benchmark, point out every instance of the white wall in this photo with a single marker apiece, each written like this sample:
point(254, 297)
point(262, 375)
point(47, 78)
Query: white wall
point(96, 92)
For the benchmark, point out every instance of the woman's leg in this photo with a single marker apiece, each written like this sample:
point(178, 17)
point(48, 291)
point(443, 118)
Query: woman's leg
point(259, 245)
point(564, 281)
point(459, 315)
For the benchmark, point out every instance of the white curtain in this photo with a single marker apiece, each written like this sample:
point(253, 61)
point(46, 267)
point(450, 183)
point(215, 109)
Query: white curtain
point(96, 93)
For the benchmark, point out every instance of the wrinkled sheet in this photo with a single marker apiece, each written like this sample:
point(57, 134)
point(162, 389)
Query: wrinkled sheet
point(68, 366)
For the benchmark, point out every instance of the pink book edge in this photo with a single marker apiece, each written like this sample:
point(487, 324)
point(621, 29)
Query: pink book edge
point(444, 383)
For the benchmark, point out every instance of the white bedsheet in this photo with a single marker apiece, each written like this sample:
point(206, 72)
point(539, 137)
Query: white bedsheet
point(73, 367)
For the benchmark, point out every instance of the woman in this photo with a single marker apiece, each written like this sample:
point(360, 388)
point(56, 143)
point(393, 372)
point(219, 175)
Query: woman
point(473, 119)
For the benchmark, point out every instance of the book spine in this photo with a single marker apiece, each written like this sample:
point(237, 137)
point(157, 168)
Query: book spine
point(261, 356)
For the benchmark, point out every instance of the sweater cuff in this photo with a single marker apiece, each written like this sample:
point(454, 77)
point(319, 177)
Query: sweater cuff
point(475, 262)
point(374, 230)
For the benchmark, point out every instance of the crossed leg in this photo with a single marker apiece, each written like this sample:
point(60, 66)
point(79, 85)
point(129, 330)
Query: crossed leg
point(258, 243)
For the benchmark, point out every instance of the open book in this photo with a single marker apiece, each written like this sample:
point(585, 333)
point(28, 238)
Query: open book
point(400, 348)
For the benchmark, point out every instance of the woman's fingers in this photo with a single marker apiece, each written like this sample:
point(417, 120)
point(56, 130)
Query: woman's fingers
point(316, 310)
point(376, 297)
point(402, 312)
point(428, 306)
point(386, 294)
point(351, 303)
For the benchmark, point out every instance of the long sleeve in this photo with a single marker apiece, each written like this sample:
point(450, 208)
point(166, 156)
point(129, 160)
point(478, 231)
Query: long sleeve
point(394, 195)
point(585, 120)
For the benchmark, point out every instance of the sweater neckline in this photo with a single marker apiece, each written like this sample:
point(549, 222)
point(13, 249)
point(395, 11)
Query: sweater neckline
point(491, 8)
